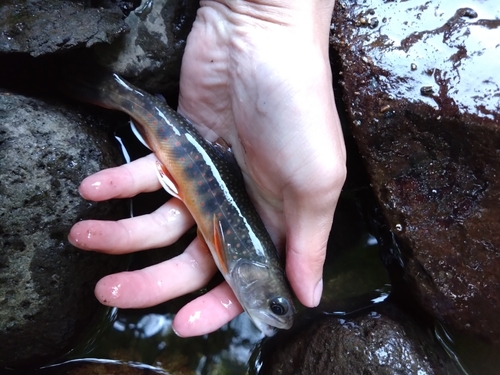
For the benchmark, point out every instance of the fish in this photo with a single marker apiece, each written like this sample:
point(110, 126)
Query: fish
point(209, 182)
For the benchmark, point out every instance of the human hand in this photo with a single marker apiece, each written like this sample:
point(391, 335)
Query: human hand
point(258, 76)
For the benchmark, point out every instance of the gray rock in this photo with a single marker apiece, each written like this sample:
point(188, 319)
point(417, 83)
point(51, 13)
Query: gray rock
point(382, 342)
point(150, 54)
point(41, 27)
point(46, 285)
point(422, 93)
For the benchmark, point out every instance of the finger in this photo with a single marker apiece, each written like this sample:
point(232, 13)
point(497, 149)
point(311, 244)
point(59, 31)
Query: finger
point(207, 313)
point(309, 218)
point(161, 228)
point(124, 181)
point(159, 283)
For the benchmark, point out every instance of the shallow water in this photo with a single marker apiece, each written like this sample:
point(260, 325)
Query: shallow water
point(474, 356)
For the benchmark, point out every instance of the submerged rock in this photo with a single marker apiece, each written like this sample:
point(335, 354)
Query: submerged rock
point(423, 94)
point(46, 285)
point(384, 341)
point(40, 27)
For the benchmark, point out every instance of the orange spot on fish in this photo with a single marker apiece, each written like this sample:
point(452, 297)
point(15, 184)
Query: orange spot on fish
point(177, 144)
point(200, 183)
point(202, 204)
point(228, 232)
point(181, 159)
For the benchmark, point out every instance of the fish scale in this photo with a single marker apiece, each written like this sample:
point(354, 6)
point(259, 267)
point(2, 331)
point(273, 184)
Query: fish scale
point(212, 188)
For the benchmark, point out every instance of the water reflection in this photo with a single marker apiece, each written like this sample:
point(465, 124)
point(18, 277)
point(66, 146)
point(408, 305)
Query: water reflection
point(431, 46)
point(474, 356)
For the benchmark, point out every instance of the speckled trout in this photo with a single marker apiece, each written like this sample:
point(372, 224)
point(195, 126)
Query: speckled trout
point(211, 186)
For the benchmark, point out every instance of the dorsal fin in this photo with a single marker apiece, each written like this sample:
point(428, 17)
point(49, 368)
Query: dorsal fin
point(223, 150)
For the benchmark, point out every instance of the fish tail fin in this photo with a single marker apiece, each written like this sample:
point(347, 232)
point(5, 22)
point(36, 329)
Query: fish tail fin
point(91, 85)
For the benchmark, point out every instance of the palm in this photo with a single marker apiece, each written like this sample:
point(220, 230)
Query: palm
point(245, 100)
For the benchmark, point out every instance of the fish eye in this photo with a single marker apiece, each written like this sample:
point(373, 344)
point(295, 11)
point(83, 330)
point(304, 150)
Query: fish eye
point(279, 306)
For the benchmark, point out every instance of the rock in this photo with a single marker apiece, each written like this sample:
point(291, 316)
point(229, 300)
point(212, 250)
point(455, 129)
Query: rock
point(422, 92)
point(381, 342)
point(46, 285)
point(40, 27)
point(150, 54)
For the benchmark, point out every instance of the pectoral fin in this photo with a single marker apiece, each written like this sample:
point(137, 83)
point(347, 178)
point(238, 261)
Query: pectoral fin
point(166, 180)
point(220, 246)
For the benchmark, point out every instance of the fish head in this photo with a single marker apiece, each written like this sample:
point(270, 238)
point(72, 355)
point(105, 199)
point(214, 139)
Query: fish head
point(263, 292)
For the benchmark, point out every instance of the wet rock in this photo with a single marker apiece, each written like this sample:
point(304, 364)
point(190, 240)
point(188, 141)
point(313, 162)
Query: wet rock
point(150, 54)
point(40, 27)
point(381, 342)
point(422, 92)
point(46, 285)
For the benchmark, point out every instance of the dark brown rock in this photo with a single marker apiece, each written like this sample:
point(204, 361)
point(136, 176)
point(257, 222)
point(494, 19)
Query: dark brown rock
point(422, 92)
point(383, 342)
point(46, 285)
point(40, 27)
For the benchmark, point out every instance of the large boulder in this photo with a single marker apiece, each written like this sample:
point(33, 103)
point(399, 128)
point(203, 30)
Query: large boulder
point(46, 285)
point(41, 27)
point(421, 87)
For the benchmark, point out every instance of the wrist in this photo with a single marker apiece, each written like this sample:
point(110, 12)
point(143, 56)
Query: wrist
point(278, 12)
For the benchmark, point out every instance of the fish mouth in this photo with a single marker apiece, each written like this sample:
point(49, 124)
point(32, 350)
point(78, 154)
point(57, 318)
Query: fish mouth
point(269, 323)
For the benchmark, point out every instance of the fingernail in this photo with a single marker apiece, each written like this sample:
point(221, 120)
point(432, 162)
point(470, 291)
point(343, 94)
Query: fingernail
point(177, 333)
point(318, 291)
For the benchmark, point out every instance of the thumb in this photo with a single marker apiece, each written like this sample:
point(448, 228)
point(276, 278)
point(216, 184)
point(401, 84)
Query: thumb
point(309, 217)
